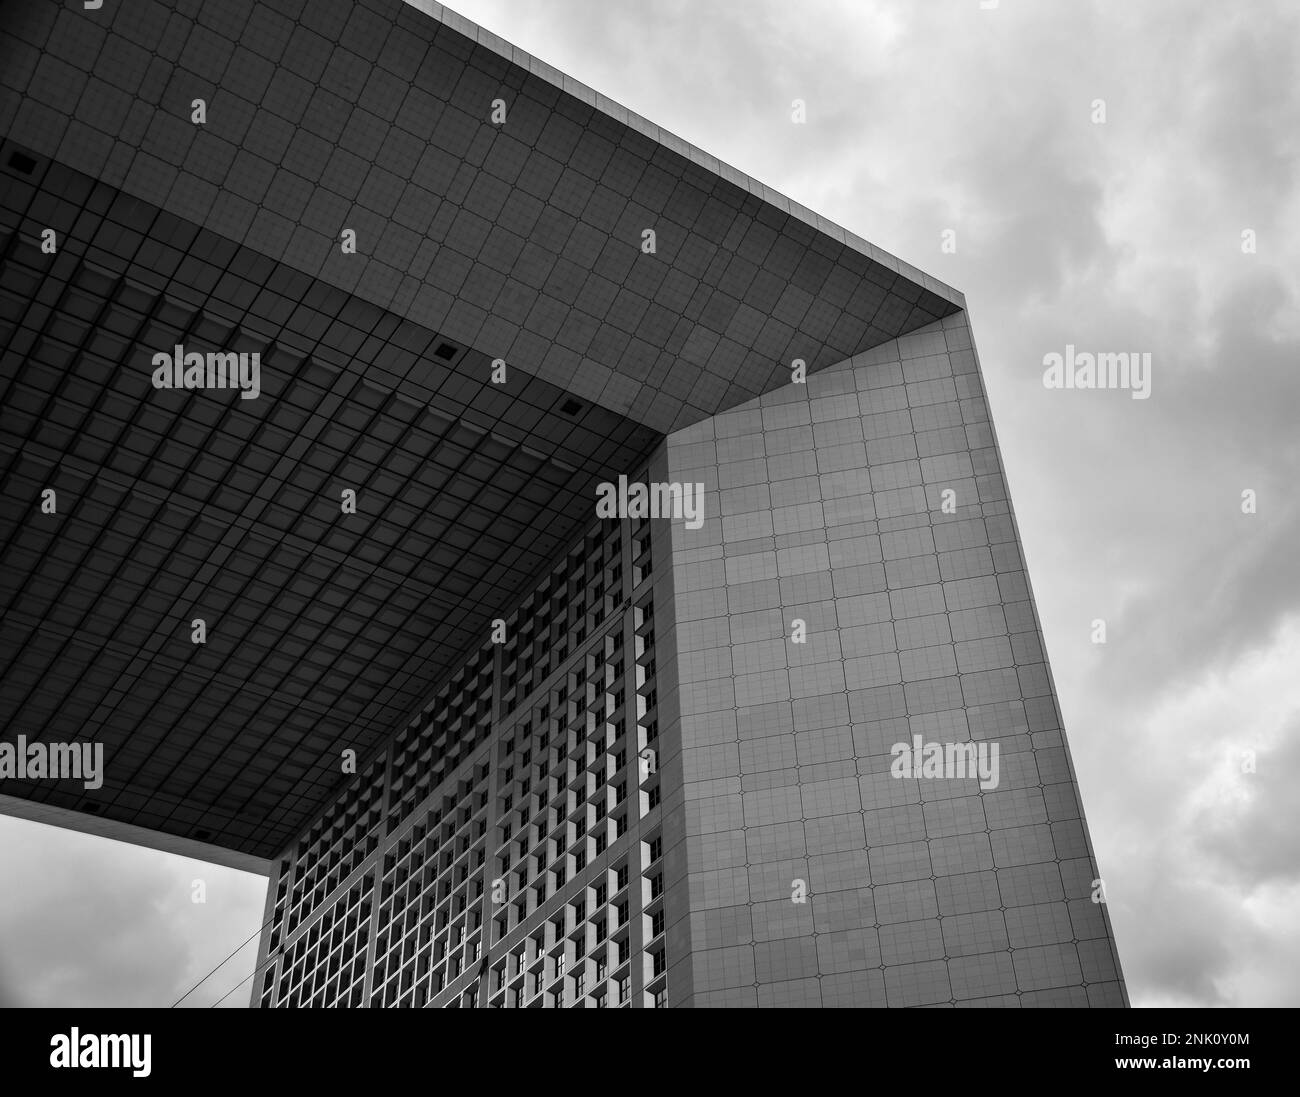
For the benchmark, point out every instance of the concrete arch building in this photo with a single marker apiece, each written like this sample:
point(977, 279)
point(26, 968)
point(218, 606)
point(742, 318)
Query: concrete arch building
point(489, 747)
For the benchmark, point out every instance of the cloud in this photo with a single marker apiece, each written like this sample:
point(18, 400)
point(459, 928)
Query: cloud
point(1202, 823)
point(95, 922)
point(1255, 837)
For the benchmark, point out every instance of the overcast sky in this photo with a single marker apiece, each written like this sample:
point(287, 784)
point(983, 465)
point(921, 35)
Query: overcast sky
point(926, 116)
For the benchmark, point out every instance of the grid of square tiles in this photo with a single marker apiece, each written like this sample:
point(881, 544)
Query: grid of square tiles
point(452, 727)
point(578, 849)
point(430, 903)
point(521, 239)
point(829, 510)
point(326, 965)
point(519, 854)
point(333, 849)
point(576, 597)
point(168, 499)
